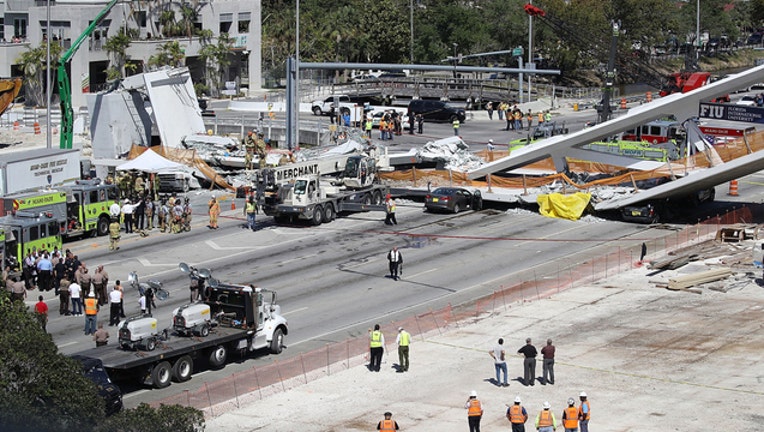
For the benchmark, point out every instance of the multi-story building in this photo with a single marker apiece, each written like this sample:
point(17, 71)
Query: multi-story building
point(150, 24)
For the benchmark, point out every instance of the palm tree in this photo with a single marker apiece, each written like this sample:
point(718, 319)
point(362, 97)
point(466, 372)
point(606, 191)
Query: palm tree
point(32, 63)
point(116, 46)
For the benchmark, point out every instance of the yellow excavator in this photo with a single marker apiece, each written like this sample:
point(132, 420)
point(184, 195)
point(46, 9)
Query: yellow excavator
point(9, 89)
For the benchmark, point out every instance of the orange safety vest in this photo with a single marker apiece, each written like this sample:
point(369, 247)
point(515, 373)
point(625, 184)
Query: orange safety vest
point(541, 117)
point(90, 306)
point(545, 418)
point(571, 418)
point(581, 414)
point(516, 414)
point(475, 409)
point(387, 425)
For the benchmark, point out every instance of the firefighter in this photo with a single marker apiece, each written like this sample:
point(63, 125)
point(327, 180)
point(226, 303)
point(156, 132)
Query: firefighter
point(261, 150)
point(249, 147)
point(162, 212)
point(114, 234)
point(139, 185)
point(214, 211)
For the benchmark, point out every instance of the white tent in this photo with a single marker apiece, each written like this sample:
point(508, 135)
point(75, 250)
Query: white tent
point(152, 163)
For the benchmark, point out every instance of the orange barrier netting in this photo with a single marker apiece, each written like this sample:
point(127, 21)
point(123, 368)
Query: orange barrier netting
point(619, 175)
point(258, 382)
point(186, 157)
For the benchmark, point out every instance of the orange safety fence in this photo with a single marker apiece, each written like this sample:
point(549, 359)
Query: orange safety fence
point(183, 156)
point(258, 382)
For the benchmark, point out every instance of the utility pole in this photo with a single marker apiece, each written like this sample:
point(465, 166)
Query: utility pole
point(605, 111)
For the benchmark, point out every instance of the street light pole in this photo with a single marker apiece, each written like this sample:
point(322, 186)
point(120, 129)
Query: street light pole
point(456, 46)
point(48, 138)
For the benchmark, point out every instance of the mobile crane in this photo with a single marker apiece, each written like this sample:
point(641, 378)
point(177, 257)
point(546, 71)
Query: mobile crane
point(62, 78)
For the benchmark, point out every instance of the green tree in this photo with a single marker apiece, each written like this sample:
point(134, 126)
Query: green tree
point(168, 54)
point(216, 57)
point(116, 46)
point(32, 63)
point(40, 389)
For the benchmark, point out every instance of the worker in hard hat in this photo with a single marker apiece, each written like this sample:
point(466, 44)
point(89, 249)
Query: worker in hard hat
point(214, 211)
point(388, 424)
point(474, 412)
point(490, 145)
point(517, 415)
point(584, 412)
point(545, 421)
point(249, 148)
point(570, 416)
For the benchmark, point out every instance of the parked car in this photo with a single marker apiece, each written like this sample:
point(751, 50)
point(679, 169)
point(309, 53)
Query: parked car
point(110, 394)
point(653, 212)
point(746, 101)
point(322, 107)
point(453, 199)
point(754, 39)
point(437, 111)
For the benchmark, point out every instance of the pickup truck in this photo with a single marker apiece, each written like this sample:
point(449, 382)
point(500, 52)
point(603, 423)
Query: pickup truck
point(324, 107)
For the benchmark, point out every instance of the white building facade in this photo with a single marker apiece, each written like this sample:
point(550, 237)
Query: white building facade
point(23, 25)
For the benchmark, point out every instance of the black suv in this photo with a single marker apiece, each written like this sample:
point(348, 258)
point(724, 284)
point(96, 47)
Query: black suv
point(435, 110)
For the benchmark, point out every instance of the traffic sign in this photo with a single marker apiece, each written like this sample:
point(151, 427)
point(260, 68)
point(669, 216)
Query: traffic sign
point(516, 52)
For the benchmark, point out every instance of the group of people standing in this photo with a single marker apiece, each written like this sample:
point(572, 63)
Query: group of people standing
point(529, 353)
point(573, 417)
point(139, 215)
point(514, 115)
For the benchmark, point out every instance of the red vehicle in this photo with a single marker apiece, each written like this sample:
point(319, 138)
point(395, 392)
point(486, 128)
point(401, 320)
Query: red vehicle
point(683, 82)
point(655, 132)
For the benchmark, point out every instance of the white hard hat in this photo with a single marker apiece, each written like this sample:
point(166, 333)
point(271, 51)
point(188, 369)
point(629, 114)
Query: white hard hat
point(583, 394)
point(490, 141)
point(517, 399)
point(571, 402)
point(473, 393)
point(546, 405)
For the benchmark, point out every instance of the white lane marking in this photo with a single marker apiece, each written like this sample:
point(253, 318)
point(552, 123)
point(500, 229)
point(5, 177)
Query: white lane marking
point(420, 273)
point(146, 263)
point(294, 311)
point(215, 246)
point(283, 231)
point(68, 344)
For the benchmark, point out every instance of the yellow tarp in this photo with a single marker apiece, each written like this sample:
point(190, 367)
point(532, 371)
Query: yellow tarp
point(561, 206)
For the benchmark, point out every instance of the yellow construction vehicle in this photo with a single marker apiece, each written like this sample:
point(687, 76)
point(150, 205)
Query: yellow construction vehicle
point(9, 89)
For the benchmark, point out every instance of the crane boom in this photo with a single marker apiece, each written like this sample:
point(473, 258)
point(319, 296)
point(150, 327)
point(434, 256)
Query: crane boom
point(64, 85)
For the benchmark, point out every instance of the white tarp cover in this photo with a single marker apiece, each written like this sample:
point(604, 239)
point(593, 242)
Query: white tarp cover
point(151, 162)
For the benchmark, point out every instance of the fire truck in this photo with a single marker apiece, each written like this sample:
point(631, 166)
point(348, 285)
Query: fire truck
point(78, 209)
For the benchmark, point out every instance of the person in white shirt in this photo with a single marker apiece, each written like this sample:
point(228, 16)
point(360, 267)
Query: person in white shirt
point(115, 299)
point(128, 210)
point(74, 294)
point(115, 210)
point(142, 303)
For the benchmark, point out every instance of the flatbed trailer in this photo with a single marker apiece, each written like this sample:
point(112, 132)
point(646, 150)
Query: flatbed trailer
point(243, 321)
point(158, 367)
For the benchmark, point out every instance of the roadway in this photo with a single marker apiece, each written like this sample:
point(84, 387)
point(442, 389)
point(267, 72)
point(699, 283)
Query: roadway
point(331, 280)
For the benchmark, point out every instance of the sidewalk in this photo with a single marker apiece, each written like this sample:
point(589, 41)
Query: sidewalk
point(649, 359)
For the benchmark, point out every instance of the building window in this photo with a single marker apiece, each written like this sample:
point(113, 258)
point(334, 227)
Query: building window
point(140, 18)
point(244, 18)
point(226, 20)
point(20, 27)
point(2, 29)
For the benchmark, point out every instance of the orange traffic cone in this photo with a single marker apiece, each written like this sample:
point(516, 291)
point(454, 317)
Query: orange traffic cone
point(733, 188)
point(623, 103)
point(16, 125)
point(233, 204)
point(37, 130)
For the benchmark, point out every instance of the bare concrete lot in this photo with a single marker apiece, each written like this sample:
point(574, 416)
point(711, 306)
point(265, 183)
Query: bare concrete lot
point(650, 360)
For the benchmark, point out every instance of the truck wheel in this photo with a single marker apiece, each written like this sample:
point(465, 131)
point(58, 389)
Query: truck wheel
point(277, 343)
point(328, 213)
point(317, 111)
point(204, 331)
point(161, 375)
point(103, 226)
point(377, 198)
point(151, 344)
point(281, 219)
point(318, 214)
point(218, 357)
point(367, 199)
point(182, 369)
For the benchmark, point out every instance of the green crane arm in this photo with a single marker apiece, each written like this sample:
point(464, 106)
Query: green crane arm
point(64, 86)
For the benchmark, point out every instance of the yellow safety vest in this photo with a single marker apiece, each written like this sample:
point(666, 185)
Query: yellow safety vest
point(405, 338)
point(251, 207)
point(376, 339)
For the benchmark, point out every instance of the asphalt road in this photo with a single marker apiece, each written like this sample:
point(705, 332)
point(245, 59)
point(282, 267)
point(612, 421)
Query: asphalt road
point(331, 280)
